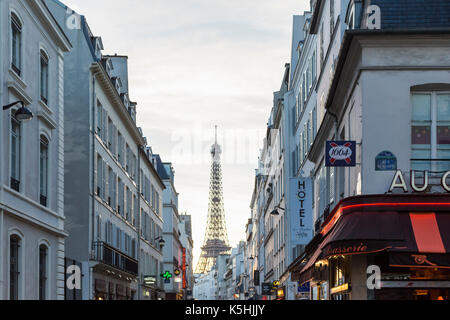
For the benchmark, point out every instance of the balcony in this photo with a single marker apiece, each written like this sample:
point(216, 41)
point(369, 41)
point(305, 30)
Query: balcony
point(114, 258)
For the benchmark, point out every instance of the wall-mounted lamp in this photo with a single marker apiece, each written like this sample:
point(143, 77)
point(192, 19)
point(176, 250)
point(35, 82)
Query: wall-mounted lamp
point(161, 242)
point(275, 211)
point(23, 114)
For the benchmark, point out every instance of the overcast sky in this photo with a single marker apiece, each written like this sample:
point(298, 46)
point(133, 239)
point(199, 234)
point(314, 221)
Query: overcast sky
point(194, 64)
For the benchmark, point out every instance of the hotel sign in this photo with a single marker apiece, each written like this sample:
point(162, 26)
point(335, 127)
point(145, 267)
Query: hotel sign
point(301, 200)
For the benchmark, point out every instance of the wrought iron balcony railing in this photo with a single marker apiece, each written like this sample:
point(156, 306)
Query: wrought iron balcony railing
point(114, 258)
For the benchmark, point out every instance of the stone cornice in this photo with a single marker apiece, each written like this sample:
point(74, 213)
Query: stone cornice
point(112, 94)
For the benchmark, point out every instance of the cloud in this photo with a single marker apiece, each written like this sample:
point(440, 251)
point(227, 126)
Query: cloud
point(200, 63)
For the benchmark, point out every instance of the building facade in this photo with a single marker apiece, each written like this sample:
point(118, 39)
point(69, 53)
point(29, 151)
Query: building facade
point(113, 193)
point(173, 248)
point(32, 233)
point(369, 80)
point(383, 90)
point(187, 258)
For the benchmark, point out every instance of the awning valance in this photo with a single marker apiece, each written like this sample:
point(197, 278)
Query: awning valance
point(418, 224)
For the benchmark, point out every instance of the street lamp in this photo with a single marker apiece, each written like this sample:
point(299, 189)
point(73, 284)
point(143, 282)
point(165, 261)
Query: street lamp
point(162, 242)
point(23, 114)
point(275, 211)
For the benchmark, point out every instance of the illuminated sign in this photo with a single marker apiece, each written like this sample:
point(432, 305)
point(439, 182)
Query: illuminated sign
point(305, 288)
point(275, 284)
point(346, 250)
point(399, 181)
point(266, 288)
point(149, 280)
point(177, 272)
point(184, 268)
point(300, 209)
point(340, 153)
point(280, 293)
point(167, 275)
point(340, 288)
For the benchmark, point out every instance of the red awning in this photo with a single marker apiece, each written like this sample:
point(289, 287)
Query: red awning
point(394, 223)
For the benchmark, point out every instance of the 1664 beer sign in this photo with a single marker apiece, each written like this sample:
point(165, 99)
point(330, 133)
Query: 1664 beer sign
point(301, 199)
point(340, 153)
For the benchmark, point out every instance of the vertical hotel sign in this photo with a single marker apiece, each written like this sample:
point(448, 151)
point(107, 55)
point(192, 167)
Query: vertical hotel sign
point(301, 211)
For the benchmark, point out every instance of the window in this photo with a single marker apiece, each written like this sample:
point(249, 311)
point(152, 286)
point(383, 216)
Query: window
point(15, 154)
point(135, 211)
point(321, 47)
point(43, 170)
point(99, 118)
point(128, 158)
point(43, 252)
point(331, 17)
point(322, 177)
point(112, 189)
point(430, 131)
point(120, 146)
point(99, 176)
point(313, 68)
point(16, 34)
point(44, 77)
point(14, 260)
point(304, 93)
point(121, 198)
point(110, 134)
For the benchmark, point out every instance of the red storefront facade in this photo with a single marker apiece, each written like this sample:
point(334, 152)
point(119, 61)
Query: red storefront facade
point(381, 247)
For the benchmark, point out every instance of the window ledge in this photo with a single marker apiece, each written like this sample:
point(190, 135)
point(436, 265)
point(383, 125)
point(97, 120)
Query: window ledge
point(18, 78)
point(45, 107)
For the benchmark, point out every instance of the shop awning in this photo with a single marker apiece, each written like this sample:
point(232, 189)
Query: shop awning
point(417, 225)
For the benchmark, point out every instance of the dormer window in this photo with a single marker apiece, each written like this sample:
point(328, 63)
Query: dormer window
point(117, 83)
point(98, 45)
point(125, 100)
point(108, 67)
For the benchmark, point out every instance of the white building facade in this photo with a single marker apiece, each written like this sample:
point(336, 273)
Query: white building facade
point(113, 193)
point(32, 231)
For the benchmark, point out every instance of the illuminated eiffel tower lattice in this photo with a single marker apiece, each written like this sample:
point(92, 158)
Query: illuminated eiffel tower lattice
point(216, 237)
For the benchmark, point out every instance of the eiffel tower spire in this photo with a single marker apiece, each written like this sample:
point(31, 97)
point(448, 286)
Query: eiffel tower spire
point(216, 236)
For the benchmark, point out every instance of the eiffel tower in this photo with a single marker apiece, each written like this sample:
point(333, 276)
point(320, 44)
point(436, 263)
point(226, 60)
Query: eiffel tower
point(216, 237)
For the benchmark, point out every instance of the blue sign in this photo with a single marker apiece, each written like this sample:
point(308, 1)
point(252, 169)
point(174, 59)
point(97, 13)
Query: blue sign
point(300, 210)
point(385, 161)
point(340, 153)
point(305, 288)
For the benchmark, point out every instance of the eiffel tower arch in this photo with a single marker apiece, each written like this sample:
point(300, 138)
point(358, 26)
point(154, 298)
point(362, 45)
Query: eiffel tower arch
point(216, 236)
